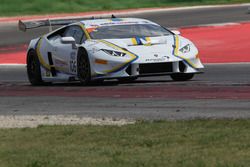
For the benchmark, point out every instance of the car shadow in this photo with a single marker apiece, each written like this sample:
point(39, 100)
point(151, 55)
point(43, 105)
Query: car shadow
point(114, 83)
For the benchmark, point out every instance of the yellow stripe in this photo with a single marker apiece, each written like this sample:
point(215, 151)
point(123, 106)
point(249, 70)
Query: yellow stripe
point(176, 52)
point(133, 57)
point(85, 31)
point(176, 46)
point(148, 39)
point(41, 60)
point(40, 57)
point(134, 41)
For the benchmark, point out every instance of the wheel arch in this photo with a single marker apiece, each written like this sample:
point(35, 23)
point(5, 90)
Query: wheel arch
point(82, 49)
point(83, 57)
point(28, 52)
point(34, 68)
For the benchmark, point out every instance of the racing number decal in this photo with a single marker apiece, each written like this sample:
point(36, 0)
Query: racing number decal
point(72, 62)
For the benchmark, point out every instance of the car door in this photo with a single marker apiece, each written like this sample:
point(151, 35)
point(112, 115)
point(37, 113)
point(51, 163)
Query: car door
point(65, 53)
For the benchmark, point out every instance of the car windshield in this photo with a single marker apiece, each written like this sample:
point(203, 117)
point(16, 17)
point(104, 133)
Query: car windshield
point(128, 31)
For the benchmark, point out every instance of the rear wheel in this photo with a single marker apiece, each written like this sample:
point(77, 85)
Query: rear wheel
point(33, 69)
point(83, 67)
point(182, 76)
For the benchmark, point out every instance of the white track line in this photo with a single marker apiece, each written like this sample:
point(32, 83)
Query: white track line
point(231, 63)
point(12, 65)
point(190, 8)
point(33, 121)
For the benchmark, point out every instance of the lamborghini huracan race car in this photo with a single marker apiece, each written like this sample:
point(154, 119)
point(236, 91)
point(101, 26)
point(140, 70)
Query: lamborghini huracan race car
point(116, 48)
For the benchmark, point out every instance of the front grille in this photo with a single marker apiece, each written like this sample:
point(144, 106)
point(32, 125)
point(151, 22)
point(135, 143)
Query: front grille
point(152, 68)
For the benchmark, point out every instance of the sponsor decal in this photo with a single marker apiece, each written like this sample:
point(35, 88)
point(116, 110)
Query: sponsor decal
point(156, 59)
point(72, 62)
point(60, 63)
point(48, 73)
point(116, 19)
point(90, 30)
point(118, 22)
point(73, 55)
point(93, 25)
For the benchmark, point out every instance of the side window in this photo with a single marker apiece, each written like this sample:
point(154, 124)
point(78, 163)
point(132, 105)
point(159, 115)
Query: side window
point(76, 32)
point(59, 33)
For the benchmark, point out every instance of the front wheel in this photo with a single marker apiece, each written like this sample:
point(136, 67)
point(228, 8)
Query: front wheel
point(33, 69)
point(182, 76)
point(83, 67)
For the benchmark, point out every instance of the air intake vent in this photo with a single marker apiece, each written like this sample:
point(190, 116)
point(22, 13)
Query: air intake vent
point(153, 68)
point(182, 66)
point(129, 70)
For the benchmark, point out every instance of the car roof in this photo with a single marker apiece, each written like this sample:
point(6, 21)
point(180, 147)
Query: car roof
point(114, 21)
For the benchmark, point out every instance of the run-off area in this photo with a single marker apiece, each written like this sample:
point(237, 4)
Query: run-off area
point(227, 43)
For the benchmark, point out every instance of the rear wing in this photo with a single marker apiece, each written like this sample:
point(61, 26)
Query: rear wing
point(24, 26)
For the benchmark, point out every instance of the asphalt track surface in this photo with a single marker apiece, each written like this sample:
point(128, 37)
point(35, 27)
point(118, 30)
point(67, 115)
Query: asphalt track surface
point(224, 95)
point(223, 91)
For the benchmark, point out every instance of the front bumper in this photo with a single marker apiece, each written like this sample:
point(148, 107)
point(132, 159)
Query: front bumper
point(152, 69)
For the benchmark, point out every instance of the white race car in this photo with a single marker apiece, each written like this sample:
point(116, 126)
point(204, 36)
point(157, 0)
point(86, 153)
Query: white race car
point(116, 48)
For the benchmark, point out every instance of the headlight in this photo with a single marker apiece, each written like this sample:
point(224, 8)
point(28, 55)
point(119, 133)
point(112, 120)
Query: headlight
point(114, 53)
point(185, 49)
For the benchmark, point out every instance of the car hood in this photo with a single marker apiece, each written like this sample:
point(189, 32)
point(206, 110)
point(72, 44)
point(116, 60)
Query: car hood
point(151, 50)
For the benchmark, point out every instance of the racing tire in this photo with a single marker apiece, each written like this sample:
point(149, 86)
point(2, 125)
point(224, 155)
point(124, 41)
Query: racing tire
point(83, 67)
point(33, 69)
point(182, 76)
point(127, 79)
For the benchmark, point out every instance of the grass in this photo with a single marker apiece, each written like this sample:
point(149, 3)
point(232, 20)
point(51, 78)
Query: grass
point(204, 143)
point(28, 7)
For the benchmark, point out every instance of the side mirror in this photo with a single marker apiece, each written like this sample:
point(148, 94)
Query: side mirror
point(69, 40)
point(176, 32)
